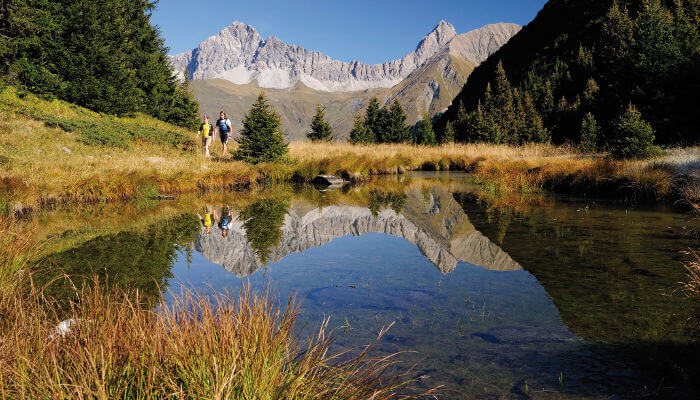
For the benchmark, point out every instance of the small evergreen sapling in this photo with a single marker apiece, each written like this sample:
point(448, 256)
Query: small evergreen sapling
point(426, 134)
point(320, 128)
point(261, 138)
point(633, 136)
point(589, 133)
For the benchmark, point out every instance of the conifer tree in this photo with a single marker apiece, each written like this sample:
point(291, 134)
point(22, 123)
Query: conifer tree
point(103, 55)
point(449, 134)
point(502, 107)
point(360, 133)
point(426, 134)
point(589, 133)
point(633, 136)
point(374, 119)
point(396, 129)
point(320, 128)
point(520, 121)
point(534, 128)
point(261, 138)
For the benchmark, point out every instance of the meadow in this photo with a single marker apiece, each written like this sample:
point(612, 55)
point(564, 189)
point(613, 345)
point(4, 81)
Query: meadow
point(55, 152)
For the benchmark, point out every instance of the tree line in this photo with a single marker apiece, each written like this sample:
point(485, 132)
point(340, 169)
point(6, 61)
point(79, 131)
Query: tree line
point(103, 55)
point(611, 73)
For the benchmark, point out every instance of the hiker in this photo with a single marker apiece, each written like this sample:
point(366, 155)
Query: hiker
point(206, 130)
point(223, 126)
point(208, 219)
point(225, 221)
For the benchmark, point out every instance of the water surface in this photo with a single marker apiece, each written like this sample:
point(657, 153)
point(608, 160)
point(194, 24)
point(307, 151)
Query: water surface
point(538, 298)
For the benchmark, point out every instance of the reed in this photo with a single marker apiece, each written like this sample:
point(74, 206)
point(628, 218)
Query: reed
point(223, 346)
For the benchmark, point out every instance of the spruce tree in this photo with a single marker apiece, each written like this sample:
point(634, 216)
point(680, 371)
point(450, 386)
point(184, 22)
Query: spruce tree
point(261, 138)
point(361, 133)
point(534, 128)
point(449, 134)
point(502, 107)
point(426, 134)
point(589, 133)
point(374, 119)
point(396, 129)
point(320, 128)
point(103, 55)
point(633, 136)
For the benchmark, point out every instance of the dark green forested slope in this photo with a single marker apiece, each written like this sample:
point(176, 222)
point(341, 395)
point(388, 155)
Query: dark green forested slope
point(101, 54)
point(588, 56)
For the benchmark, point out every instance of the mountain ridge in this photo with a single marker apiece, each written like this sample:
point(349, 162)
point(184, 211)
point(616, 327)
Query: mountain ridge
point(240, 55)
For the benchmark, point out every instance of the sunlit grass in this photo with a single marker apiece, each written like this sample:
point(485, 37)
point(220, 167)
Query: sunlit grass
point(42, 164)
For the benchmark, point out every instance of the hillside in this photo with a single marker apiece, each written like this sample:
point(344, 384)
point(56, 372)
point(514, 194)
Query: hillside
point(584, 56)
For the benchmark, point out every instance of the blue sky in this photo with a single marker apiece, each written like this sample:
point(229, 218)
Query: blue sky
point(368, 31)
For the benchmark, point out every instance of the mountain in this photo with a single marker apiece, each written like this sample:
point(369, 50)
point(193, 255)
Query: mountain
point(432, 220)
point(228, 69)
point(600, 56)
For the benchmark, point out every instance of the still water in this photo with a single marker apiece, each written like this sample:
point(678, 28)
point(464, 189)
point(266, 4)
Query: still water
point(491, 296)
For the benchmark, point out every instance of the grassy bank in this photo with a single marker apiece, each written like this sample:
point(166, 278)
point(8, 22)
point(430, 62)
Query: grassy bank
point(55, 152)
point(240, 346)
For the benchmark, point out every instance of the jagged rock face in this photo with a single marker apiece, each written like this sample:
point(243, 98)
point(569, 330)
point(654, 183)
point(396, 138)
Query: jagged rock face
point(438, 227)
point(240, 55)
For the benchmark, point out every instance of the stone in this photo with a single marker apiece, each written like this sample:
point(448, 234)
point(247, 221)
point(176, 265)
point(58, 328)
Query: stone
point(328, 180)
point(66, 150)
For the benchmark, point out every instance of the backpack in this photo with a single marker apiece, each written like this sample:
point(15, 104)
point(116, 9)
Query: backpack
point(223, 125)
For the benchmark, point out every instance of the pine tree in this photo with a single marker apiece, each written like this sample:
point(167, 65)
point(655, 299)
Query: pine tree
point(502, 108)
point(633, 136)
point(360, 133)
point(426, 134)
point(534, 128)
point(104, 55)
point(520, 121)
point(374, 119)
point(261, 138)
point(589, 133)
point(396, 129)
point(320, 128)
point(449, 134)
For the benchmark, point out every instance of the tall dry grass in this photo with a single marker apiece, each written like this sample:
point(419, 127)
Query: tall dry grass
point(692, 286)
point(200, 346)
point(227, 346)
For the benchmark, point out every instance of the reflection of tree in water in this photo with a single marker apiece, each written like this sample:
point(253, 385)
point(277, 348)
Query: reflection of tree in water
point(133, 260)
point(612, 274)
point(263, 222)
point(379, 200)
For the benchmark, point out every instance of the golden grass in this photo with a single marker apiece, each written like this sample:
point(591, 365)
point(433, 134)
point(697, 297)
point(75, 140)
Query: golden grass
point(692, 286)
point(36, 169)
point(201, 346)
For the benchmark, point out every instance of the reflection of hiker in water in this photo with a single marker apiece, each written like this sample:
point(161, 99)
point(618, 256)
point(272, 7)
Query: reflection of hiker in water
point(225, 221)
point(208, 219)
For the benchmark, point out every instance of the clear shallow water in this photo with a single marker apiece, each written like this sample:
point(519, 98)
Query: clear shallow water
point(564, 299)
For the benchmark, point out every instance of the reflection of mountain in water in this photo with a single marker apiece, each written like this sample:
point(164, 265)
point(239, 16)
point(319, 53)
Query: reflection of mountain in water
point(431, 219)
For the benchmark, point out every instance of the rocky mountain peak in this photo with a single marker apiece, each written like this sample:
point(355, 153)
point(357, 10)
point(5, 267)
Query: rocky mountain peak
point(240, 55)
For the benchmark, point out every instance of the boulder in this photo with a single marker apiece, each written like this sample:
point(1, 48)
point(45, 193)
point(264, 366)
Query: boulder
point(328, 180)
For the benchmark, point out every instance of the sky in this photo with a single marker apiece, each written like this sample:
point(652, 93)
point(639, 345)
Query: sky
point(364, 30)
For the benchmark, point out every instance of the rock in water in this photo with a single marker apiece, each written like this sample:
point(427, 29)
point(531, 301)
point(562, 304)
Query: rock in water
point(328, 180)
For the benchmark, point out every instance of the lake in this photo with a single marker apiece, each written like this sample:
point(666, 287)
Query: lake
point(491, 295)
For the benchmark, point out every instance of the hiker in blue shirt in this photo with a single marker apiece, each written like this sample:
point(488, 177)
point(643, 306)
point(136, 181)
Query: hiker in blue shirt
point(223, 126)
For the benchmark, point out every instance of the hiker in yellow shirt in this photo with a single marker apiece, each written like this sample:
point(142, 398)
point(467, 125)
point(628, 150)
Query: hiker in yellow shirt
point(206, 130)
